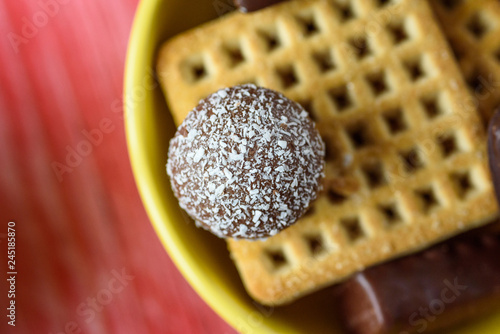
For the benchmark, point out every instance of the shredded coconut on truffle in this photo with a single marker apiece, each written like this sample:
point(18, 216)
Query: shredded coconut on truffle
point(246, 162)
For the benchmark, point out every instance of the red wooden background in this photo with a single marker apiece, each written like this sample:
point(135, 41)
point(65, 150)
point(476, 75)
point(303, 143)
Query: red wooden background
point(88, 260)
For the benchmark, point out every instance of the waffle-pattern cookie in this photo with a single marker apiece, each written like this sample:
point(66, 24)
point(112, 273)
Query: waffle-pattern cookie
point(473, 30)
point(406, 163)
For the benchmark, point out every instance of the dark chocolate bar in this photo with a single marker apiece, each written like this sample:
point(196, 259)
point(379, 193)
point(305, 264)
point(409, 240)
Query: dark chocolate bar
point(431, 290)
point(254, 5)
point(494, 151)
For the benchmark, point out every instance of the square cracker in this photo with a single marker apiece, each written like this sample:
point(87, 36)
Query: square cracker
point(406, 159)
point(473, 31)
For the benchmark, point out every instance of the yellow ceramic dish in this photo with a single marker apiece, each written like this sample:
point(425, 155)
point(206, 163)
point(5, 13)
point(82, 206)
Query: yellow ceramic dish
point(201, 257)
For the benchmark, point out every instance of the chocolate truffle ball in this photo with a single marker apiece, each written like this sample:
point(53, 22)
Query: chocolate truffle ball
point(246, 162)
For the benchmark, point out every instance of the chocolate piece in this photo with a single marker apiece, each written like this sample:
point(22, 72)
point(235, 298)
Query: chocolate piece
point(254, 5)
point(246, 163)
point(439, 287)
point(494, 151)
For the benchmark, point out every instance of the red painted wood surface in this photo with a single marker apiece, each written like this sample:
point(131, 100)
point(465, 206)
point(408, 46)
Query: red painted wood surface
point(88, 260)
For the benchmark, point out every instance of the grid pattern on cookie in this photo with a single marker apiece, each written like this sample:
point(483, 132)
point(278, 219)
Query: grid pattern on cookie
point(473, 30)
point(406, 164)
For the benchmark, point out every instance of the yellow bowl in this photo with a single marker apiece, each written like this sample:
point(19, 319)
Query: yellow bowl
point(201, 257)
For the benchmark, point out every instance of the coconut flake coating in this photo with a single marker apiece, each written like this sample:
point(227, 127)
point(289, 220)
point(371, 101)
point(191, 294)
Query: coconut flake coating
point(246, 162)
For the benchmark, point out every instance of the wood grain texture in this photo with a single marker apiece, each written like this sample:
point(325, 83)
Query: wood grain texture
point(79, 226)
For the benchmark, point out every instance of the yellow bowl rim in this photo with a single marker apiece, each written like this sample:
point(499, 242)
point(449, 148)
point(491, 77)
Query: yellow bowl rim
point(225, 306)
